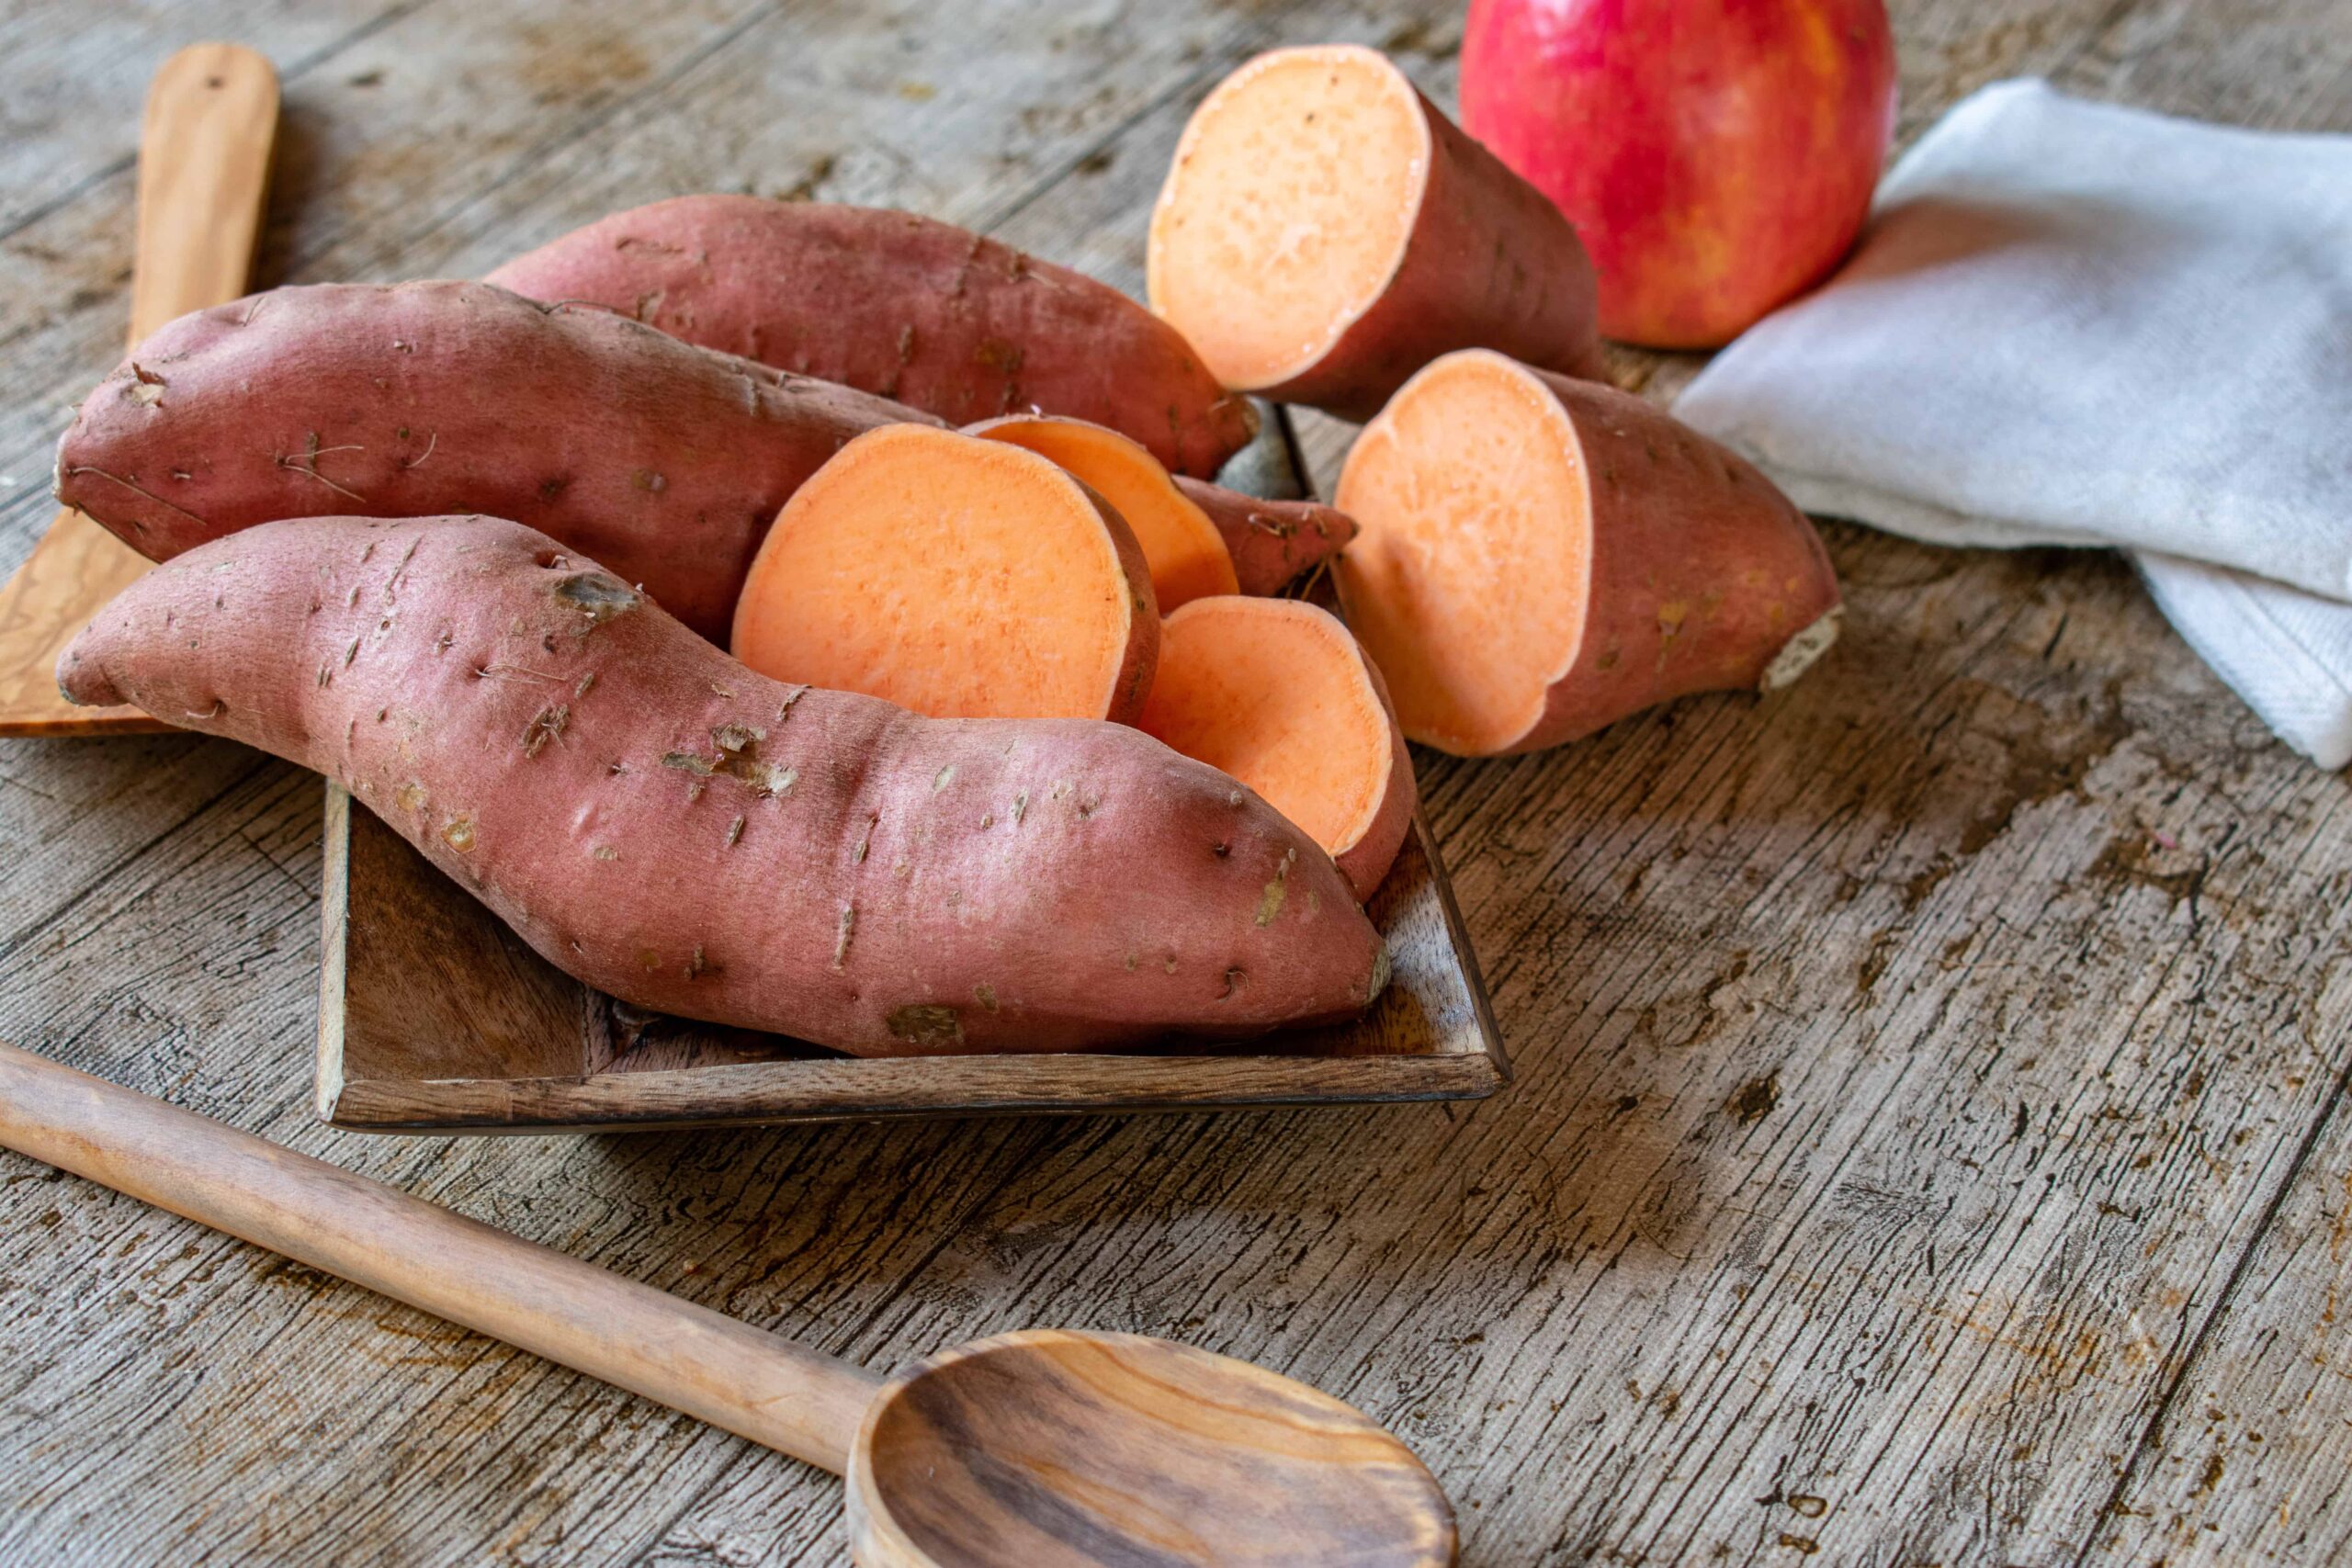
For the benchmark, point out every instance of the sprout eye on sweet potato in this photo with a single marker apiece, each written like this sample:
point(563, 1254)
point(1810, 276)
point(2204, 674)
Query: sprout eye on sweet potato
point(958, 577)
point(918, 311)
point(1325, 232)
point(1541, 556)
point(679, 832)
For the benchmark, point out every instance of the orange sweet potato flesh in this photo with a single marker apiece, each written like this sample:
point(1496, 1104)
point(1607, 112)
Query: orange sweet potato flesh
point(1542, 557)
point(1273, 543)
point(664, 461)
point(1276, 693)
point(957, 577)
point(668, 827)
point(918, 311)
point(1325, 232)
point(1201, 538)
point(1186, 554)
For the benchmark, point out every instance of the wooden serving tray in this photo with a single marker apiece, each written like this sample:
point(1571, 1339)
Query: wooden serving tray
point(434, 1017)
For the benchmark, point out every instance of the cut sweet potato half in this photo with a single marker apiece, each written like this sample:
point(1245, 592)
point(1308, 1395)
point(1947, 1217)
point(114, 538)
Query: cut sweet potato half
point(959, 577)
point(1541, 556)
point(1182, 545)
point(1325, 232)
point(1276, 693)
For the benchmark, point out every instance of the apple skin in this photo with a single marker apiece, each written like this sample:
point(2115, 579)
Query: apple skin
point(1718, 157)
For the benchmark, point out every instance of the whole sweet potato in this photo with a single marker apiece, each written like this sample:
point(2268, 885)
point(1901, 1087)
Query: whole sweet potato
point(937, 317)
point(665, 825)
point(666, 461)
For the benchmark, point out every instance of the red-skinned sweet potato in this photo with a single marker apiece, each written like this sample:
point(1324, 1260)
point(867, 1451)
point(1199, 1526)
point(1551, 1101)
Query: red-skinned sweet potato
point(924, 312)
point(664, 824)
point(1201, 539)
point(666, 461)
point(1542, 557)
point(1326, 231)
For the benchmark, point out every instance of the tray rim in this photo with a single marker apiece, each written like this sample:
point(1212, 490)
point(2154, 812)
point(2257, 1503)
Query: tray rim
point(867, 1089)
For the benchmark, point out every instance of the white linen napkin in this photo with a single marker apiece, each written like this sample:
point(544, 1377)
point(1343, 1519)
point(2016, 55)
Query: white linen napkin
point(2072, 323)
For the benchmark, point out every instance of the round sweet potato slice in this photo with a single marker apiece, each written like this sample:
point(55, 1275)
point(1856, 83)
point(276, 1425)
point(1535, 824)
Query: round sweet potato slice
point(1276, 693)
point(955, 576)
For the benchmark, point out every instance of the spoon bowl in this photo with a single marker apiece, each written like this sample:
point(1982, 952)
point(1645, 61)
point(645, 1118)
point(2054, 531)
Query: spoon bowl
point(1053, 1449)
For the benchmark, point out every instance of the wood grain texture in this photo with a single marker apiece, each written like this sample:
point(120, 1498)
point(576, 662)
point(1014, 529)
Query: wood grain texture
point(204, 159)
point(1020, 1451)
point(1927, 1103)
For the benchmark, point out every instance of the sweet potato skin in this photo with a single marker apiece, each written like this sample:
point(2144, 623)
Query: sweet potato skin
point(1702, 569)
point(664, 461)
point(1273, 543)
point(920, 311)
point(1491, 264)
point(665, 825)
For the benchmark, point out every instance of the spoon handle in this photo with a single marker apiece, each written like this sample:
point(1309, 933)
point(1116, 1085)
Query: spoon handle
point(688, 1358)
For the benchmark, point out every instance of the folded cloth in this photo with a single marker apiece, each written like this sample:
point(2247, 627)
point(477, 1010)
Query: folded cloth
point(2070, 323)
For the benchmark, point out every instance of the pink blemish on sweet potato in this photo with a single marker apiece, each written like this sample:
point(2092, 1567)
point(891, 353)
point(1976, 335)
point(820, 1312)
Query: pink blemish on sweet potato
point(1542, 557)
point(1325, 232)
point(920, 311)
point(666, 461)
point(871, 907)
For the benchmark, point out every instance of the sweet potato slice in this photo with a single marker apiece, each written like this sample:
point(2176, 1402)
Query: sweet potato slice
point(1542, 557)
point(1200, 538)
point(1276, 693)
point(1273, 543)
point(957, 577)
point(1183, 549)
point(1325, 232)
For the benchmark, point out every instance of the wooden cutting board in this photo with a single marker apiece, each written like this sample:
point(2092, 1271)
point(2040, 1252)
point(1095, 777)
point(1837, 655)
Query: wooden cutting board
point(204, 152)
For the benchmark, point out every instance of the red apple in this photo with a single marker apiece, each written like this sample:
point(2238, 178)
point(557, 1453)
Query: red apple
point(1718, 157)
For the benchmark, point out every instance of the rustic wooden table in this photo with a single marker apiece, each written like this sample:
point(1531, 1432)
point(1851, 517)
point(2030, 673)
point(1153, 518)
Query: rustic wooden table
point(1930, 1144)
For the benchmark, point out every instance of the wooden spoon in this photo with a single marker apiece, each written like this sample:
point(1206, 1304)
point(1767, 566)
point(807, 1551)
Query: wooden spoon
point(1035, 1450)
point(204, 153)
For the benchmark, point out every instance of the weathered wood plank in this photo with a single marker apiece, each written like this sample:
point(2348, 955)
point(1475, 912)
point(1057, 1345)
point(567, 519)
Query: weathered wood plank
point(2249, 1454)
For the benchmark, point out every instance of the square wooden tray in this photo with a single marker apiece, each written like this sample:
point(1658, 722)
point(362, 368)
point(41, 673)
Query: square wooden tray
point(434, 1017)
